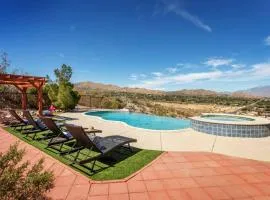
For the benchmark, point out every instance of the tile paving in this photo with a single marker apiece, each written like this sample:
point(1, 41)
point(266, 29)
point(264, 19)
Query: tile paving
point(174, 175)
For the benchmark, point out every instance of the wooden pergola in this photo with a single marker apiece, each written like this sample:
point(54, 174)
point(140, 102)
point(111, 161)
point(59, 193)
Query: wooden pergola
point(22, 83)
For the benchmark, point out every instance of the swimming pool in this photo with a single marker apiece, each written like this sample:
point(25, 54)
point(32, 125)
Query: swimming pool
point(141, 120)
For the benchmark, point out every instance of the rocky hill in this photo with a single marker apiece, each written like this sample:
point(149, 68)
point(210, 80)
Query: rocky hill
point(85, 87)
point(91, 86)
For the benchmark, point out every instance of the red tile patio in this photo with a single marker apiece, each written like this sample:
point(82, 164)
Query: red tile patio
point(174, 175)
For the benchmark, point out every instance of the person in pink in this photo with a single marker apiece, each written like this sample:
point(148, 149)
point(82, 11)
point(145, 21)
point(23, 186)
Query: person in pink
point(52, 108)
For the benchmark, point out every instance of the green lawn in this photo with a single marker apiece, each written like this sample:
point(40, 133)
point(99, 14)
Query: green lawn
point(119, 165)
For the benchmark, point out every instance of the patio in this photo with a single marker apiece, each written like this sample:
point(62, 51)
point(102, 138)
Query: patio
point(173, 175)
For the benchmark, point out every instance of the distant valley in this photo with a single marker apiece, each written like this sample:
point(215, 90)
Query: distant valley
point(181, 103)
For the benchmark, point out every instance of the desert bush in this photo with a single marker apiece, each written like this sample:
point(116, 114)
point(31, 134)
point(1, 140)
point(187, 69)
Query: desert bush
point(112, 103)
point(19, 181)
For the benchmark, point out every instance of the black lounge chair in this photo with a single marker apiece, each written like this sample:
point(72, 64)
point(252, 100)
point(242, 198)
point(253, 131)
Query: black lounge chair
point(58, 136)
point(19, 122)
point(37, 125)
point(104, 145)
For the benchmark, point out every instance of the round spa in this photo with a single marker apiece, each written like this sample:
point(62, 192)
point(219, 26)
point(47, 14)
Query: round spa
point(231, 125)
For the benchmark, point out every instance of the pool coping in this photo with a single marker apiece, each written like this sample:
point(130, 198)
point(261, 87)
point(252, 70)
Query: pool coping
point(126, 124)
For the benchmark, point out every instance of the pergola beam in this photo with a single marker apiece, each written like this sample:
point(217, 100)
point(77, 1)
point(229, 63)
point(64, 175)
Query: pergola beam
point(22, 83)
point(21, 77)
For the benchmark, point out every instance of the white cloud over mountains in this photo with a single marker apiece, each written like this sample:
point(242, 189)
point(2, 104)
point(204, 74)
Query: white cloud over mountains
point(261, 69)
point(236, 72)
point(135, 77)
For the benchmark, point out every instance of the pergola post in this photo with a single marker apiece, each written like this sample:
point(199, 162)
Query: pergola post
point(40, 97)
point(24, 98)
point(23, 91)
point(39, 86)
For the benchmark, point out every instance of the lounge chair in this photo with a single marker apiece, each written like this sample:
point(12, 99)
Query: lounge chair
point(58, 136)
point(104, 145)
point(37, 125)
point(19, 122)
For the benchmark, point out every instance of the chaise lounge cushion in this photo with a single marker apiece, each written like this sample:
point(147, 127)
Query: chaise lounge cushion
point(105, 144)
point(67, 134)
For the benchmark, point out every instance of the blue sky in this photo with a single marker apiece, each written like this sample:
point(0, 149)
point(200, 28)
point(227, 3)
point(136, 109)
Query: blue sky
point(158, 44)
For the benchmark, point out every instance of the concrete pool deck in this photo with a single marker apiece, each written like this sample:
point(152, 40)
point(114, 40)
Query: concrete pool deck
point(180, 140)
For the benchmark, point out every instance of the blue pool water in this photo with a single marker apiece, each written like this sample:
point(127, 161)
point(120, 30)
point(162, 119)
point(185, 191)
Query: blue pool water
point(227, 118)
point(143, 120)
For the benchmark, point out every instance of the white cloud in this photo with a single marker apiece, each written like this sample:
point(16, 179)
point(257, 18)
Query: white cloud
point(197, 76)
point(143, 75)
point(133, 77)
point(255, 72)
point(173, 6)
point(267, 41)
point(238, 66)
point(216, 62)
point(178, 79)
point(172, 70)
point(157, 74)
point(261, 69)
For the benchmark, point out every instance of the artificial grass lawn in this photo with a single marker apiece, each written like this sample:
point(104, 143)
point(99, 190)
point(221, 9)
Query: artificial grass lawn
point(119, 165)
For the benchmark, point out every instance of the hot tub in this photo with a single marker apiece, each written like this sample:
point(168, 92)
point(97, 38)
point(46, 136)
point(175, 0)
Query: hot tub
point(231, 125)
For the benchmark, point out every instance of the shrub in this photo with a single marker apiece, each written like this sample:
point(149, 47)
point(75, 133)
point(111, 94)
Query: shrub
point(112, 103)
point(67, 99)
point(52, 91)
point(61, 92)
point(20, 181)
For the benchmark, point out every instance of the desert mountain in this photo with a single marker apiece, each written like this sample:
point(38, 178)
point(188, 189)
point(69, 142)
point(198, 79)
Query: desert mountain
point(263, 91)
point(91, 86)
point(85, 87)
